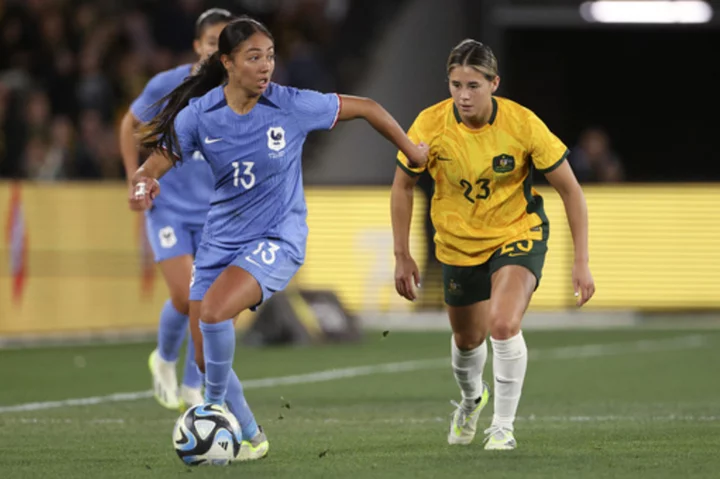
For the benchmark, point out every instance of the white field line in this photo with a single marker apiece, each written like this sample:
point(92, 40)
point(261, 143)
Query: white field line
point(532, 419)
point(537, 419)
point(569, 352)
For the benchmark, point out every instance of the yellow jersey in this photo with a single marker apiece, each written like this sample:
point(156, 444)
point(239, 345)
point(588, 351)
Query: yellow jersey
point(483, 196)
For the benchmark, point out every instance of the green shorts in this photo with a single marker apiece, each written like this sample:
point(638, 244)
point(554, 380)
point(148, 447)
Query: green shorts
point(466, 285)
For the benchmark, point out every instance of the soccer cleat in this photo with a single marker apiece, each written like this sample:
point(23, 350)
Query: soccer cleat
point(255, 448)
point(499, 438)
point(463, 422)
point(164, 381)
point(190, 397)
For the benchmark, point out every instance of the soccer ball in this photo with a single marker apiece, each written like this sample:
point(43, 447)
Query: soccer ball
point(207, 434)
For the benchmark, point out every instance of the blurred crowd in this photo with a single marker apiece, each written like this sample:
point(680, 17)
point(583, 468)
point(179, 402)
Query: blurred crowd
point(593, 159)
point(70, 68)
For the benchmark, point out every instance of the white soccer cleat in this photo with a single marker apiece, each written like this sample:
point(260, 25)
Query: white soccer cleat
point(164, 377)
point(464, 421)
point(256, 448)
point(190, 397)
point(498, 438)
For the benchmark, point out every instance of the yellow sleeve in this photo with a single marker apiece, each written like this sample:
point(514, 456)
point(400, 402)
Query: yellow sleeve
point(416, 135)
point(547, 151)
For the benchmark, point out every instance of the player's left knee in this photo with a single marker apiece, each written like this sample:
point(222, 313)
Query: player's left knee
point(209, 314)
point(503, 325)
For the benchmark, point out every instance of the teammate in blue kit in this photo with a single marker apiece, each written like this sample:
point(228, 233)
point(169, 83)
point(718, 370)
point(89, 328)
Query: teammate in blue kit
point(174, 223)
point(251, 132)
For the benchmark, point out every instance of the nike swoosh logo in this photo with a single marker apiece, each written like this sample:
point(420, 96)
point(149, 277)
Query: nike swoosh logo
point(250, 260)
point(440, 158)
point(210, 141)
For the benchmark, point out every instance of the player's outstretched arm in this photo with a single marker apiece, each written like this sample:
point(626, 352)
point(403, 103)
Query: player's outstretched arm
point(145, 186)
point(407, 275)
point(564, 181)
point(352, 107)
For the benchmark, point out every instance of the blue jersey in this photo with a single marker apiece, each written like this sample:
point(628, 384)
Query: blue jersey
point(256, 161)
point(187, 188)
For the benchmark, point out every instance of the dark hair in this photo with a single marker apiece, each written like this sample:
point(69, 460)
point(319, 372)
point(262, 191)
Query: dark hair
point(476, 55)
point(160, 132)
point(210, 18)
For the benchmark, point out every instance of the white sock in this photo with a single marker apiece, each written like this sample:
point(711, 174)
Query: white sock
point(468, 368)
point(509, 365)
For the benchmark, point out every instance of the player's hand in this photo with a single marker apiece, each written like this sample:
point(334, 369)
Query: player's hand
point(143, 192)
point(132, 203)
point(420, 156)
point(583, 282)
point(407, 277)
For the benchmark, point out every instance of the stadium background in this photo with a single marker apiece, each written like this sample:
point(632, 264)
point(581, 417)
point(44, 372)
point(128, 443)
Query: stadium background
point(73, 259)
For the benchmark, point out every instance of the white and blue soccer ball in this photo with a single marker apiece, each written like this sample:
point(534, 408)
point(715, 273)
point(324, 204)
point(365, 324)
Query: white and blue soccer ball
point(207, 434)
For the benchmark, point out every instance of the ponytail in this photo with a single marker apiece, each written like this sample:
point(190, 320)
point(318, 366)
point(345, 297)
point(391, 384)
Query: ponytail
point(160, 132)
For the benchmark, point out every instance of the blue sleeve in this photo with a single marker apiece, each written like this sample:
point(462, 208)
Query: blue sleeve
point(142, 107)
point(316, 111)
point(186, 129)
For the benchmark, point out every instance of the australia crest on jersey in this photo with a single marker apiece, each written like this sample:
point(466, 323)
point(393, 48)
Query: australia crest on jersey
point(503, 163)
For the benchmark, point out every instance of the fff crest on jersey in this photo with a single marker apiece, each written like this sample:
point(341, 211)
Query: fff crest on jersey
point(276, 138)
point(503, 163)
point(167, 237)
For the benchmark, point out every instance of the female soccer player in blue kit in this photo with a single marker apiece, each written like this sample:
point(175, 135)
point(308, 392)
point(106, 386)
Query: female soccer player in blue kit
point(174, 223)
point(251, 132)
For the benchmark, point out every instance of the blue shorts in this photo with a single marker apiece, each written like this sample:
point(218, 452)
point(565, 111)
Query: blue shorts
point(170, 234)
point(272, 262)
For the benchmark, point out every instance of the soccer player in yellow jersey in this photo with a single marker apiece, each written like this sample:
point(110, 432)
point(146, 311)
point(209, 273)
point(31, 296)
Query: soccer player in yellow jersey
point(491, 230)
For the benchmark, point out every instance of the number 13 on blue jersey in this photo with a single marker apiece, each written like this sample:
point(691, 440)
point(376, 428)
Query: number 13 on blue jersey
point(248, 178)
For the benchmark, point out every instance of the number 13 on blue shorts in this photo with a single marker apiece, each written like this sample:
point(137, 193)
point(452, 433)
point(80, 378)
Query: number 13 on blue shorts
point(272, 262)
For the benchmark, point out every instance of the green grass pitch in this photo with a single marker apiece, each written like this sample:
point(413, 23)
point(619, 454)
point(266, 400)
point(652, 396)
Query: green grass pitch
point(596, 404)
